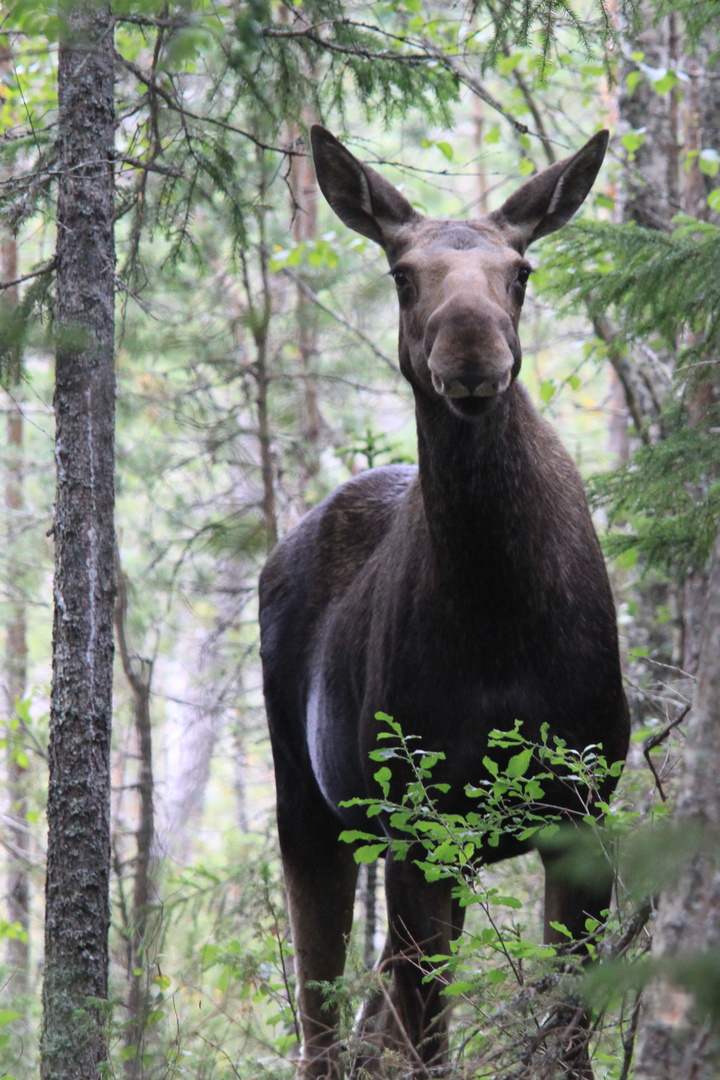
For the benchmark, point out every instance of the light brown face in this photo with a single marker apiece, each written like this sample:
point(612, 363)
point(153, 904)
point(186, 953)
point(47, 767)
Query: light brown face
point(460, 289)
point(460, 284)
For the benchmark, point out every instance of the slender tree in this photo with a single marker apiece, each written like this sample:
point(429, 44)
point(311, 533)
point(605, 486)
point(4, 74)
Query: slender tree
point(679, 1036)
point(15, 659)
point(77, 911)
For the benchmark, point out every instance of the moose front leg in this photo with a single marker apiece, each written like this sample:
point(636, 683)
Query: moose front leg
point(574, 894)
point(420, 924)
point(320, 879)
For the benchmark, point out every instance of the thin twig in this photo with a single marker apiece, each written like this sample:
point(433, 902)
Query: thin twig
point(655, 740)
point(307, 291)
point(149, 166)
point(150, 81)
point(605, 332)
point(46, 269)
point(628, 1041)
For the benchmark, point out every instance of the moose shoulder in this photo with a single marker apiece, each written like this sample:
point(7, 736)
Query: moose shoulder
point(458, 597)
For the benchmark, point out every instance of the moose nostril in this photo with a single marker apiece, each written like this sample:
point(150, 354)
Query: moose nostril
point(471, 382)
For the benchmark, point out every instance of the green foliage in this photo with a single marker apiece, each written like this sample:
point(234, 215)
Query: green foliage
point(666, 501)
point(516, 23)
point(498, 967)
point(374, 449)
point(510, 802)
point(660, 289)
point(658, 284)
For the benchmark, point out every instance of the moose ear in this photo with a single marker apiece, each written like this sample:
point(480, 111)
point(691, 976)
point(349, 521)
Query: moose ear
point(360, 197)
point(550, 199)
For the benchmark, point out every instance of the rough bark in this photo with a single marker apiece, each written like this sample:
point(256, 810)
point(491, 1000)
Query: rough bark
point(663, 178)
point(650, 193)
point(701, 130)
point(73, 1040)
point(678, 1039)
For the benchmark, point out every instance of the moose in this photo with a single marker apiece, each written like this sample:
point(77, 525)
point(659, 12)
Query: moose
point(458, 597)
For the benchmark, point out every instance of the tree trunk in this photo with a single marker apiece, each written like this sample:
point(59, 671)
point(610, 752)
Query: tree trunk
point(304, 189)
point(139, 673)
point(676, 1041)
point(15, 666)
point(18, 886)
point(663, 177)
point(73, 1040)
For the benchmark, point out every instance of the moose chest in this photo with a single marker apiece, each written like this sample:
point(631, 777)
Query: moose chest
point(448, 674)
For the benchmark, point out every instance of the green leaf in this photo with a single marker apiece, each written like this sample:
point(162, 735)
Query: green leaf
point(457, 988)
point(383, 777)
point(7, 1016)
point(370, 852)
point(507, 64)
point(709, 162)
point(349, 836)
point(627, 559)
point(431, 872)
point(384, 755)
point(507, 901)
point(561, 929)
point(547, 390)
point(662, 86)
point(495, 976)
point(519, 763)
point(631, 82)
point(491, 766)
point(633, 140)
point(445, 149)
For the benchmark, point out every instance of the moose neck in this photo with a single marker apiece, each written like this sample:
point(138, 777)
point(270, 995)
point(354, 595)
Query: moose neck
point(486, 500)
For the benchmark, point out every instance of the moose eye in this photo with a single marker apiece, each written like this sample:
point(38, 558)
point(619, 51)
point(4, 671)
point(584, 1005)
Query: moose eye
point(404, 285)
point(521, 280)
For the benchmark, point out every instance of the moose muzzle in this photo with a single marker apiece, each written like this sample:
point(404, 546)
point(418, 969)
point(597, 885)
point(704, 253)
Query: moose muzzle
point(471, 353)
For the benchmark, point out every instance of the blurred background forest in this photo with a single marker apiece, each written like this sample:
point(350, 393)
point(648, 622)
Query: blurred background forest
point(256, 368)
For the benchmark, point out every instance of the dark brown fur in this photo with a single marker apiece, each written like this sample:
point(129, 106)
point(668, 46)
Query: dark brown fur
point(458, 597)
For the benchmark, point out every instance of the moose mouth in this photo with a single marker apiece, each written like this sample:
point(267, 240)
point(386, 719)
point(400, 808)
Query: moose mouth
point(469, 385)
point(471, 408)
point(471, 396)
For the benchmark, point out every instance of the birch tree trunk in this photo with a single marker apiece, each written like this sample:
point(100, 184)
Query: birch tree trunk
point(73, 1041)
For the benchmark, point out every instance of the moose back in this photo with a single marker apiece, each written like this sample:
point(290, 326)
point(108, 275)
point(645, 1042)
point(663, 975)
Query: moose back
point(457, 597)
